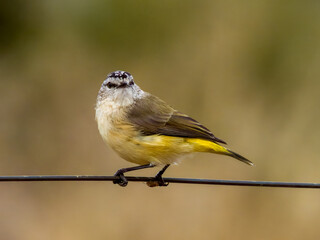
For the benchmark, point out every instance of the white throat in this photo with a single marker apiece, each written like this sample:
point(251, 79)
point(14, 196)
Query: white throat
point(120, 98)
point(113, 106)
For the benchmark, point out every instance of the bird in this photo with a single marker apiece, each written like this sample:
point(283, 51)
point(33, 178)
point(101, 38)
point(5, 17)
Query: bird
point(144, 130)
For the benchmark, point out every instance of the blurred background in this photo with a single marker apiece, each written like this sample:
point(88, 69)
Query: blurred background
point(248, 70)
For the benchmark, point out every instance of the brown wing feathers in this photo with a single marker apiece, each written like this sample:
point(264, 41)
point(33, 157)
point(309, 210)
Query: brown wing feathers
point(153, 116)
point(184, 126)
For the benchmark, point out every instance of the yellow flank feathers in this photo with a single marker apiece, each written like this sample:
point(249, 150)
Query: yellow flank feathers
point(160, 149)
point(201, 145)
point(208, 146)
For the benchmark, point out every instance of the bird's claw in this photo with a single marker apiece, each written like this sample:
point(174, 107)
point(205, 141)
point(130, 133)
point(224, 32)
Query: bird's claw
point(122, 181)
point(158, 182)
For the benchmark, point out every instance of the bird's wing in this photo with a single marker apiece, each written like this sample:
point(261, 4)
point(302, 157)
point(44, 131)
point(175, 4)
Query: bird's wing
point(151, 115)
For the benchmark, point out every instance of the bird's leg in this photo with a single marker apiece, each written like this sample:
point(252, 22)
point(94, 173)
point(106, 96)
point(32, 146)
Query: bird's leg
point(122, 181)
point(159, 180)
point(159, 176)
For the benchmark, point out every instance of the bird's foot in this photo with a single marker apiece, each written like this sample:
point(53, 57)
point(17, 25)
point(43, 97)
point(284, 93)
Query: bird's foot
point(158, 182)
point(122, 181)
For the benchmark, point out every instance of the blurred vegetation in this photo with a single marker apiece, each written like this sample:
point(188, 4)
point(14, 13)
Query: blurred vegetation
point(247, 70)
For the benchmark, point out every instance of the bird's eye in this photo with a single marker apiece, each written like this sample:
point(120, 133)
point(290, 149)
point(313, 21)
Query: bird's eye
point(111, 85)
point(131, 83)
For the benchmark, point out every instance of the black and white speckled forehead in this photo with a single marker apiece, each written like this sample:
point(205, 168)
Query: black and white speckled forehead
point(118, 79)
point(121, 75)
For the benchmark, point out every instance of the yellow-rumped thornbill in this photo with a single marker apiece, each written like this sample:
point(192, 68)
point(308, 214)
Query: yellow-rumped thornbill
point(146, 131)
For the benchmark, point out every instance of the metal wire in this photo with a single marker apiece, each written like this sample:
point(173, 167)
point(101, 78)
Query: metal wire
point(169, 180)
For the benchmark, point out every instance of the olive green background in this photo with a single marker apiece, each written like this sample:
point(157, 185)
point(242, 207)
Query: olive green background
point(248, 70)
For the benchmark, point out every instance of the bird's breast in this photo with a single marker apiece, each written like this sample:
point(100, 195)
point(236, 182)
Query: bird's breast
point(108, 116)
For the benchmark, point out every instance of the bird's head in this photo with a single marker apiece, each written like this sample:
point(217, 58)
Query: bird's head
point(118, 86)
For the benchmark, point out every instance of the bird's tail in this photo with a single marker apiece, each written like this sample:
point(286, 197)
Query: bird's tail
point(239, 157)
point(201, 145)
